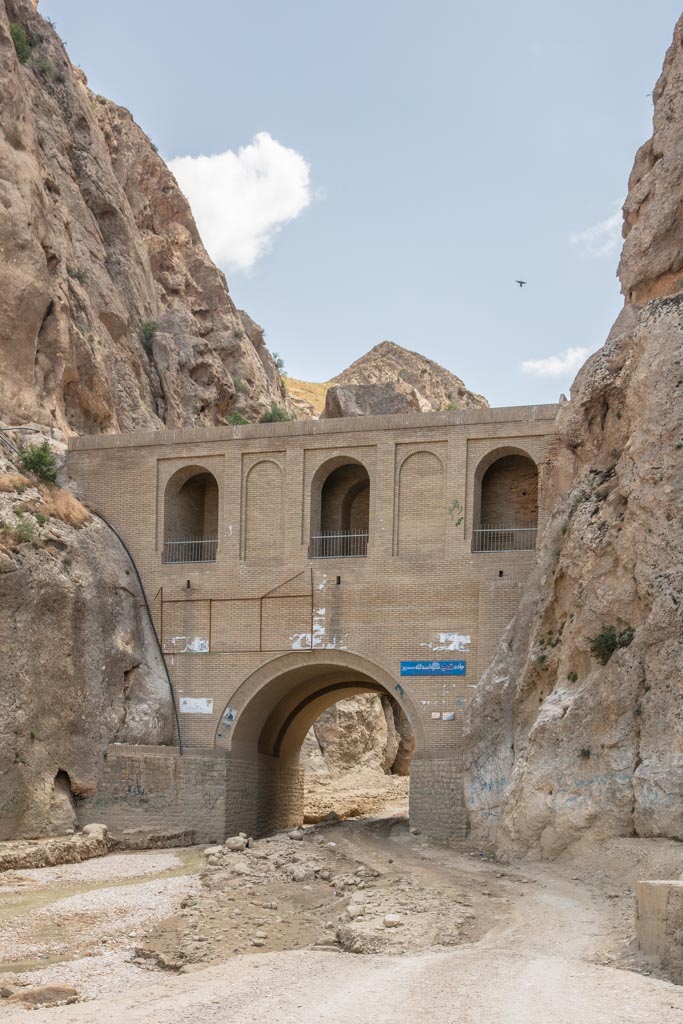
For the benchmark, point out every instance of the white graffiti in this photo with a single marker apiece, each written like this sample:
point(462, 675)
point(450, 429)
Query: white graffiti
point(186, 645)
point(304, 642)
point(449, 642)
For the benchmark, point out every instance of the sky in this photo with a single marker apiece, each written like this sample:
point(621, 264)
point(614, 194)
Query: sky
point(385, 169)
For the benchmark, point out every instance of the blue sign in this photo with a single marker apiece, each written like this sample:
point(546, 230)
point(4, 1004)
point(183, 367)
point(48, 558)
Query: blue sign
point(433, 668)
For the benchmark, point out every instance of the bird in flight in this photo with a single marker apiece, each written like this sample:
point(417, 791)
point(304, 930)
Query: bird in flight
point(520, 283)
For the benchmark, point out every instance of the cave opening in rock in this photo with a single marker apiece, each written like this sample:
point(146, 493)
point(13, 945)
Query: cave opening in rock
point(63, 818)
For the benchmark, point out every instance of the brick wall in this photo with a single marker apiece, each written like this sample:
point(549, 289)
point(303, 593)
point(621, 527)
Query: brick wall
point(509, 493)
point(421, 593)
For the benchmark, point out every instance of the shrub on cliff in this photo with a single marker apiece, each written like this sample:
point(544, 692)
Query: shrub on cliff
point(20, 40)
point(276, 414)
point(608, 641)
point(147, 330)
point(40, 459)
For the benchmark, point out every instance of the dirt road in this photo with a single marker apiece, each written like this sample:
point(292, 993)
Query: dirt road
point(548, 954)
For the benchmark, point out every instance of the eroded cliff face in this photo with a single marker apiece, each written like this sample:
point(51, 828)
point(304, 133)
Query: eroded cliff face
point(112, 318)
point(362, 732)
point(577, 729)
point(80, 668)
point(112, 315)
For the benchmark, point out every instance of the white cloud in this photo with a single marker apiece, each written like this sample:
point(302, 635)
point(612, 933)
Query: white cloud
point(241, 200)
point(556, 366)
point(603, 238)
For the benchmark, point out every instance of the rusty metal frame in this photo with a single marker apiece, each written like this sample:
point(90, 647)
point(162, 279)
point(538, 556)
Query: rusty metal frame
point(270, 595)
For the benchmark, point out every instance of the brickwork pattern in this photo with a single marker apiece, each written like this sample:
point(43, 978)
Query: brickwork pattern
point(509, 493)
point(420, 594)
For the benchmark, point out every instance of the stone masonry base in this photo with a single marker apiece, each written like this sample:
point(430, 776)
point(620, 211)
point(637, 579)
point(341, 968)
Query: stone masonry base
point(216, 794)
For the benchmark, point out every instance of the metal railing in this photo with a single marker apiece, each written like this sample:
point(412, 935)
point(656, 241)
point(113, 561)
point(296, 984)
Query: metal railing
point(504, 538)
point(191, 549)
point(346, 544)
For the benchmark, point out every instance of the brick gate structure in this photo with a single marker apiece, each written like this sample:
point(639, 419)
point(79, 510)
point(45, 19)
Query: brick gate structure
point(290, 565)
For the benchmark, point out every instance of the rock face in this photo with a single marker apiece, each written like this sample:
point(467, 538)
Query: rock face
point(362, 732)
point(112, 315)
point(80, 667)
point(387, 379)
point(576, 729)
point(356, 759)
point(391, 379)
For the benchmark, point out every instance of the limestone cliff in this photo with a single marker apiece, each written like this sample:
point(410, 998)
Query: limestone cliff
point(576, 729)
point(112, 315)
point(79, 663)
point(363, 732)
point(387, 379)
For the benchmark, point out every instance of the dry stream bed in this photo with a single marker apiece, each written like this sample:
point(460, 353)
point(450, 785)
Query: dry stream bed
point(299, 904)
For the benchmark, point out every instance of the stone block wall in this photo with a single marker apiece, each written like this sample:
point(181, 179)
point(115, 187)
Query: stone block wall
point(437, 805)
point(209, 792)
point(156, 788)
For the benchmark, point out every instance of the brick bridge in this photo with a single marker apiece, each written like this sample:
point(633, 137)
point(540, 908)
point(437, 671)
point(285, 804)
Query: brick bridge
point(291, 565)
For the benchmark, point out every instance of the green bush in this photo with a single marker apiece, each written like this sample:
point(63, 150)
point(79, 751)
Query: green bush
point(23, 533)
point(147, 330)
point(40, 459)
point(609, 640)
point(77, 275)
point(20, 40)
point(276, 414)
point(236, 419)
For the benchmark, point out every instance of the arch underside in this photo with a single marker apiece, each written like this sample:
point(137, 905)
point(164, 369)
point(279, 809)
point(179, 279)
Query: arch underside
point(277, 705)
point(273, 711)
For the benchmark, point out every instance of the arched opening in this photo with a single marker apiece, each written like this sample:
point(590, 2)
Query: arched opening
point(356, 760)
point(506, 502)
point(191, 516)
point(340, 510)
point(269, 718)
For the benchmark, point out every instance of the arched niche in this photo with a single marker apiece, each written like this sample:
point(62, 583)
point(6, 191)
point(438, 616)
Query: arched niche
point(420, 520)
point(505, 502)
point(340, 509)
point(264, 514)
point(191, 511)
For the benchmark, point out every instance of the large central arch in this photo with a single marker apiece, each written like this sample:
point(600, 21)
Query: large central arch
point(264, 725)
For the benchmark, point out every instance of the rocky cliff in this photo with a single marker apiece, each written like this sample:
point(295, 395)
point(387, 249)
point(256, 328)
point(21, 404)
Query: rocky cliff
point(80, 666)
point(112, 315)
point(387, 379)
point(576, 729)
point(356, 759)
point(112, 318)
point(366, 732)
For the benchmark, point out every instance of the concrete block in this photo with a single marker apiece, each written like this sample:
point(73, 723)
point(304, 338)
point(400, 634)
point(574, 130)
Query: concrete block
point(659, 924)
